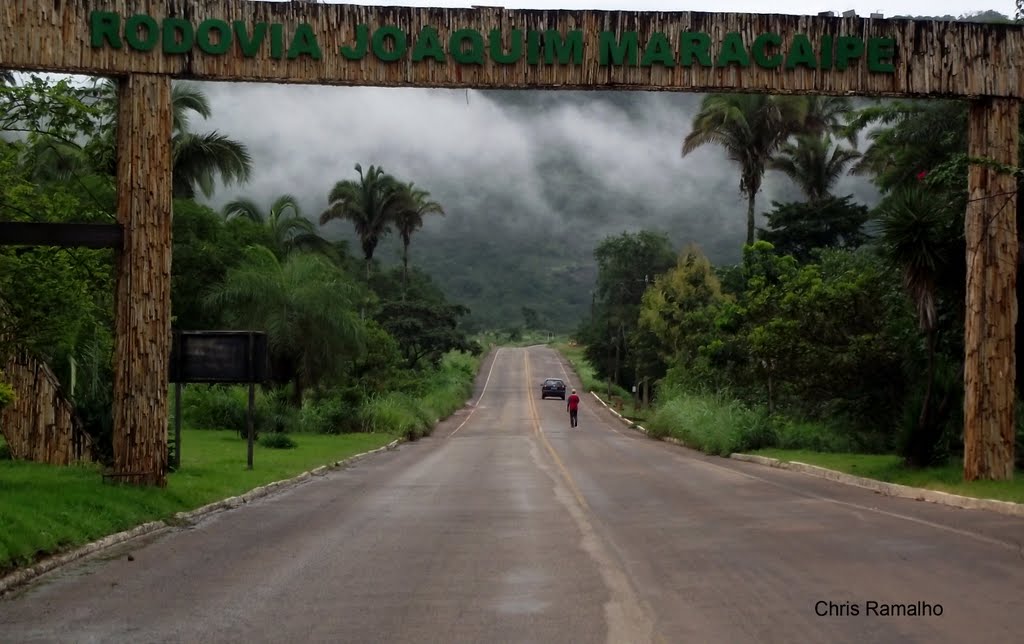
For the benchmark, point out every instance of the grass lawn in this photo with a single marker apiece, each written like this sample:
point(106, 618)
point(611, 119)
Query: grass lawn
point(45, 509)
point(889, 468)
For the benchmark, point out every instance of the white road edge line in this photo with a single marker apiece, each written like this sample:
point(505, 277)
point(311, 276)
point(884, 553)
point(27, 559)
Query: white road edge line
point(482, 392)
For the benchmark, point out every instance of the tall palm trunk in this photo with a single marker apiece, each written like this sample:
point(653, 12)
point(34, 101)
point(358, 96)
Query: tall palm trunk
point(405, 266)
point(750, 218)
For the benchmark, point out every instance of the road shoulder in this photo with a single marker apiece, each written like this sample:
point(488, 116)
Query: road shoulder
point(897, 490)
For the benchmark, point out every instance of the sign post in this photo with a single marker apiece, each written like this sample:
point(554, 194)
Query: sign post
point(219, 357)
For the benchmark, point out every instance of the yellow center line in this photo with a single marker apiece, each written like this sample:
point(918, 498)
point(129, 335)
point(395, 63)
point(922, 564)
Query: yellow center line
point(539, 432)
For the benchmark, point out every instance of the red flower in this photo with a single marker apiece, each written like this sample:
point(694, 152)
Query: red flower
point(921, 175)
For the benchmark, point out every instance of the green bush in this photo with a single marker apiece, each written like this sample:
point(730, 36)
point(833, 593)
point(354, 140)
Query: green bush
point(6, 393)
point(215, 407)
point(936, 442)
point(814, 436)
point(395, 414)
point(278, 440)
point(712, 424)
point(329, 415)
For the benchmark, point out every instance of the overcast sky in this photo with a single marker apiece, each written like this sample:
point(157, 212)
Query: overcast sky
point(476, 155)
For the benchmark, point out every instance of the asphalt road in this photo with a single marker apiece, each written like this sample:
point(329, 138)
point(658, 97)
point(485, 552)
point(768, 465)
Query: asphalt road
point(507, 526)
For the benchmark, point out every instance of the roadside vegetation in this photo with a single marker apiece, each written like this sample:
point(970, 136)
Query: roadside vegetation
point(49, 509)
point(841, 329)
point(361, 353)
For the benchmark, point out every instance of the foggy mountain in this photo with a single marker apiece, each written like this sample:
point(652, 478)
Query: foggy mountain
point(531, 180)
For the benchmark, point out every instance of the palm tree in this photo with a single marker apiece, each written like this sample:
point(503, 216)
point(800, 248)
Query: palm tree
point(828, 114)
point(751, 128)
point(921, 238)
point(306, 306)
point(288, 228)
point(199, 159)
point(415, 203)
point(814, 164)
point(369, 203)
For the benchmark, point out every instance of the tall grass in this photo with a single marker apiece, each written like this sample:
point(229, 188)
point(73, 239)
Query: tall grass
point(713, 424)
point(432, 395)
point(414, 416)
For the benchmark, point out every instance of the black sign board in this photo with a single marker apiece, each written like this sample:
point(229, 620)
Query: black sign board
point(219, 356)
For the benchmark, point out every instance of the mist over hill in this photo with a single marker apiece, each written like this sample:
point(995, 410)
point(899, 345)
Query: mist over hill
point(531, 180)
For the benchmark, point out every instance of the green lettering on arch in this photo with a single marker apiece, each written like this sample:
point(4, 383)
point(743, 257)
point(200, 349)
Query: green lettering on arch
point(498, 54)
point(801, 52)
point(206, 43)
point(568, 49)
point(304, 43)
point(131, 32)
point(428, 45)
point(733, 51)
point(474, 54)
point(658, 50)
point(379, 43)
point(880, 54)
point(694, 44)
point(614, 51)
point(172, 29)
point(105, 26)
point(759, 50)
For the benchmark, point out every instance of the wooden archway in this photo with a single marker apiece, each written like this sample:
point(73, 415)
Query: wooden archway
point(147, 43)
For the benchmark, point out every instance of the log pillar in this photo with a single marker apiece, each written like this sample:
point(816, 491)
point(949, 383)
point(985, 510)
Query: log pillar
point(143, 291)
point(991, 315)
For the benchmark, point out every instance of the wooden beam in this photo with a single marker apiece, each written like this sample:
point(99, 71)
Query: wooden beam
point(63, 235)
point(991, 317)
point(142, 343)
point(342, 44)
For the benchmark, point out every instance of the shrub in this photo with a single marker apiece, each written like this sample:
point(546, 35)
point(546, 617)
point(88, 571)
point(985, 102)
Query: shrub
point(934, 443)
point(396, 414)
point(277, 440)
point(814, 436)
point(6, 393)
point(712, 424)
point(329, 415)
point(215, 407)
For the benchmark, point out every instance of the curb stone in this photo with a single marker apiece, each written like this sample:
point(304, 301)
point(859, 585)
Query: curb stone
point(24, 575)
point(889, 489)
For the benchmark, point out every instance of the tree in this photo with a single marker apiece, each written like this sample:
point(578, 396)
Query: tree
point(370, 204)
point(289, 230)
point(424, 330)
point(798, 229)
point(306, 306)
point(530, 318)
point(414, 204)
point(913, 138)
point(199, 159)
point(627, 264)
point(671, 307)
point(919, 236)
point(814, 163)
point(750, 128)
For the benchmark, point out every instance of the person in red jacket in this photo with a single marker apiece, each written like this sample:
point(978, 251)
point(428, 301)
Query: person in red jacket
point(573, 406)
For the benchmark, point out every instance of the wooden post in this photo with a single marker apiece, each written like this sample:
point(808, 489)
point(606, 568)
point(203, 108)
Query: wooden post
point(143, 292)
point(991, 234)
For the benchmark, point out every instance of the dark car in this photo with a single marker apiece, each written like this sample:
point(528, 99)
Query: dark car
point(552, 387)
